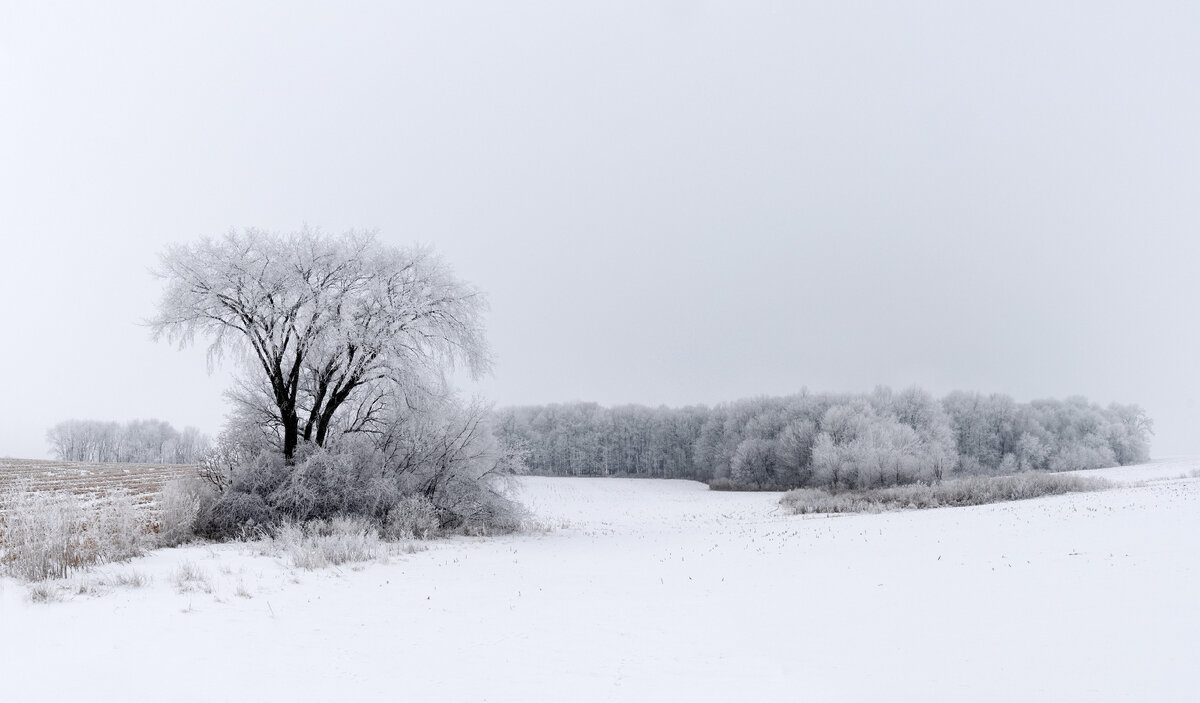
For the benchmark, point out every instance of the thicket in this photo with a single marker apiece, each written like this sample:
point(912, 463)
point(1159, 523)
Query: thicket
point(434, 468)
point(971, 490)
point(861, 441)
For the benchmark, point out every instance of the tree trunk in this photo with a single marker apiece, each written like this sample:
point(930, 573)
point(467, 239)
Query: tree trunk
point(291, 434)
point(335, 401)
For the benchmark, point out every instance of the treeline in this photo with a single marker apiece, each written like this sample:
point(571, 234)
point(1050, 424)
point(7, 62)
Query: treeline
point(883, 438)
point(137, 442)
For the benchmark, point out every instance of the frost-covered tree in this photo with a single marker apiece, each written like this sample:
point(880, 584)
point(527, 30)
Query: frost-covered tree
point(793, 451)
point(333, 329)
point(342, 406)
point(755, 464)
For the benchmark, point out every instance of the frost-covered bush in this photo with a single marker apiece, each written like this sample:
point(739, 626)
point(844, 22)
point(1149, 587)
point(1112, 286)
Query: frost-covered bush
point(48, 535)
point(975, 490)
point(116, 528)
point(42, 534)
point(445, 451)
point(484, 512)
point(232, 515)
point(721, 484)
point(347, 480)
point(178, 507)
point(819, 500)
point(412, 517)
point(433, 466)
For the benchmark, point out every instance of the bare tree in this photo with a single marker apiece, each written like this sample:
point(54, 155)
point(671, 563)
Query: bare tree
point(333, 329)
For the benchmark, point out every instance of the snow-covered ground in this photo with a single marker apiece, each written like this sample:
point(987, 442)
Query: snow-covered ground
point(662, 590)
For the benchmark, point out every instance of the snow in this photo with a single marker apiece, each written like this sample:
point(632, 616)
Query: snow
point(662, 590)
point(1160, 470)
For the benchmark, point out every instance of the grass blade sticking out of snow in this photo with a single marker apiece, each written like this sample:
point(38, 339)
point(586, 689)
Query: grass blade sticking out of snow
point(189, 577)
point(976, 490)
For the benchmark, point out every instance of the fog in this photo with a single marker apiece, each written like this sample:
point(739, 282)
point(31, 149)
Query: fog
point(667, 202)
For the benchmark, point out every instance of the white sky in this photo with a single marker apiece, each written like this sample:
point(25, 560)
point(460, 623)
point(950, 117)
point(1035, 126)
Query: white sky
point(668, 202)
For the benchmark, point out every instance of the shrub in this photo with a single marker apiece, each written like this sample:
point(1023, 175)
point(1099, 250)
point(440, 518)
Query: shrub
point(348, 480)
point(179, 510)
point(977, 490)
point(491, 513)
point(412, 517)
point(725, 484)
point(116, 528)
point(430, 464)
point(471, 506)
point(231, 514)
point(42, 534)
point(817, 500)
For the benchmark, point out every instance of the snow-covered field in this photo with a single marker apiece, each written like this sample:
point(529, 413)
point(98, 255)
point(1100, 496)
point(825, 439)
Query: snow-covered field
point(662, 590)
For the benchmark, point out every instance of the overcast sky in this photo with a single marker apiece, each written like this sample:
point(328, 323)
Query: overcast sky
point(668, 202)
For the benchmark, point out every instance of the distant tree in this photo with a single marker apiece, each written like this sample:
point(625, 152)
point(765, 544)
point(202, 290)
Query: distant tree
point(138, 441)
point(755, 463)
point(1129, 433)
point(793, 451)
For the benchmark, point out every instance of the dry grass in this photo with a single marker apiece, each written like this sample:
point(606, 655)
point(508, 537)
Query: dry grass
point(91, 584)
point(334, 542)
point(189, 577)
point(53, 534)
point(45, 592)
point(58, 518)
point(318, 544)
